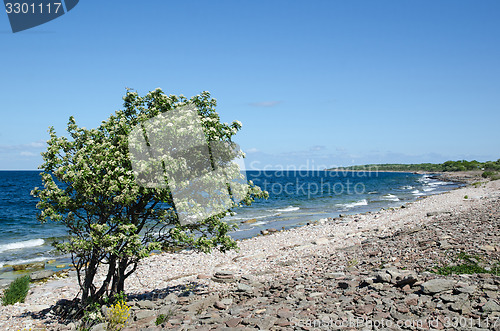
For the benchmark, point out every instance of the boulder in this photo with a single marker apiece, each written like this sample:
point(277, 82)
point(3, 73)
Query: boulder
point(490, 307)
point(39, 275)
point(437, 285)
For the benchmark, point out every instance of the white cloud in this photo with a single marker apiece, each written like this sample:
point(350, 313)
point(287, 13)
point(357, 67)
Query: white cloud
point(27, 153)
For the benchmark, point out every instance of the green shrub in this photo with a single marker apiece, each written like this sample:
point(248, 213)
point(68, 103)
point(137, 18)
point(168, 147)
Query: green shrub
point(17, 291)
point(161, 319)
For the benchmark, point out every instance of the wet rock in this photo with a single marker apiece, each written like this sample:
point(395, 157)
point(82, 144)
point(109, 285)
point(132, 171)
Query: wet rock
point(28, 266)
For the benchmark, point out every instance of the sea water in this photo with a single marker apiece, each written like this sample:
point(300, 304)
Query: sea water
point(295, 198)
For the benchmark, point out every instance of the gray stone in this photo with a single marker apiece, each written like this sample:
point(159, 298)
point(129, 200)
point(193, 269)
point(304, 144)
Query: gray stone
point(4, 283)
point(224, 273)
point(437, 285)
point(71, 326)
point(166, 310)
point(377, 286)
point(383, 277)
point(142, 314)
point(333, 275)
point(461, 306)
point(220, 305)
point(145, 304)
point(490, 287)
point(227, 301)
point(99, 327)
point(171, 298)
point(467, 289)
point(39, 275)
point(266, 322)
point(105, 310)
point(321, 241)
point(244, 287)
point(490, 306)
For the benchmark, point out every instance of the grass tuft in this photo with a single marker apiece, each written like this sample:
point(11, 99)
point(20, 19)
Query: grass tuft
point(17, 291)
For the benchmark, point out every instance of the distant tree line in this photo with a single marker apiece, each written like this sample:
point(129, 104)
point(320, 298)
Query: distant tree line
point(462, 165)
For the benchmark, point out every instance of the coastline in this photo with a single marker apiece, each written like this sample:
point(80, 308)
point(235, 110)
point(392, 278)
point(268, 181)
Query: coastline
point(279, 257)
point(465, 177)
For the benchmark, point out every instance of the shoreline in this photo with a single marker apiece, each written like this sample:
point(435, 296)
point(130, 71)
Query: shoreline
point(58, 263)
point(262, 259)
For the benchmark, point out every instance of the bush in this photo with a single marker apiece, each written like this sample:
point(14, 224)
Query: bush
point(491, 175)
point(17, 291)
point(119, 208)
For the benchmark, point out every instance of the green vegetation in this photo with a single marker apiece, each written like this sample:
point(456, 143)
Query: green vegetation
point(162, 318)
point(17, 291)
point(491, 175)
point(467, 264)
point(490, 168)
point(117, 215)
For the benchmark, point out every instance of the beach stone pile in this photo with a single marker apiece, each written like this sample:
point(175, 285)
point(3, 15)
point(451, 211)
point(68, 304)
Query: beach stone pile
point(384, 283)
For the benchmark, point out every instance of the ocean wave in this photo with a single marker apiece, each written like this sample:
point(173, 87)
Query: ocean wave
point(363, 202)
point(417, 192)
point(21, 244)
point(373, 192)
point(407, 187)
point(25, 261)
point(424, 179)
point(289, 208)
point(437, 183)
point(428, 189)
point(390, 197)
point(258, 223)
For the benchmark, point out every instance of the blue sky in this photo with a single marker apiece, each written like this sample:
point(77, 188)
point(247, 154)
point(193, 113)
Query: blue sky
point(316, 83)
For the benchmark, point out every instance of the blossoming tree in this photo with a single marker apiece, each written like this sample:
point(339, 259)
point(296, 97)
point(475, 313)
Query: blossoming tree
point(113, 219)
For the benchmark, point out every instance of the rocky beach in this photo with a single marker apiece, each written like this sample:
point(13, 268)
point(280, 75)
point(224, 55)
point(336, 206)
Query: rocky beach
point(382, 270)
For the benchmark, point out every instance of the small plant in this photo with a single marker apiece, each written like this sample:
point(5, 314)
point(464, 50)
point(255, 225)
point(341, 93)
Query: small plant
point(466, 197)
point(352, 263)
point(118, 316)
point(17, 291)
point(92, 314)
point(161, 319)
point(467, 265)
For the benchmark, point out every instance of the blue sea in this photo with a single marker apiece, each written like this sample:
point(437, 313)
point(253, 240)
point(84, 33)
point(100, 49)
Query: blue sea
point(295, 198)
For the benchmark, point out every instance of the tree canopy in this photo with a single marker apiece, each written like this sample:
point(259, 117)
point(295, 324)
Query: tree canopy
point(114, 220)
